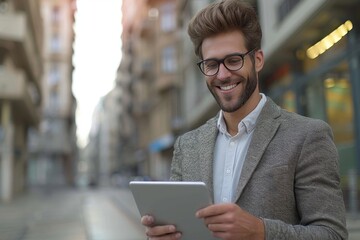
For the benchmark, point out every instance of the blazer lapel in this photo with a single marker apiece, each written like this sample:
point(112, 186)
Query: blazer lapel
point(265, 129)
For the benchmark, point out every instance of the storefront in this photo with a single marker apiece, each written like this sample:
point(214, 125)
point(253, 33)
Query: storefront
point(326, 86)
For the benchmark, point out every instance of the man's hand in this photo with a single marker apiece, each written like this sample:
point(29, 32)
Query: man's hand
point(230, 222)
point(166, 232)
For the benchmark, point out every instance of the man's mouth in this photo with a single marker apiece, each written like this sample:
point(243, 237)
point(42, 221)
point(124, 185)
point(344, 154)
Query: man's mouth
point(228, 87)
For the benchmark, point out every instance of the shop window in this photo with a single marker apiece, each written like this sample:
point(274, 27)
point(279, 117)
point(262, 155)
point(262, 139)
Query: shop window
point(315, 99)
point(289, 101)
point(339, 108)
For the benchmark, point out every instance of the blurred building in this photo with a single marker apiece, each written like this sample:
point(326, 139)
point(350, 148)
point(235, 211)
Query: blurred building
point(135, 75)
point(312, 51)
point(150, 72)
point(53, 149)
point(89, 156)
point(108, 135)
point(21, 68)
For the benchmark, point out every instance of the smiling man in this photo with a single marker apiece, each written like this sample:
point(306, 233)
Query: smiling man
point(272, 174)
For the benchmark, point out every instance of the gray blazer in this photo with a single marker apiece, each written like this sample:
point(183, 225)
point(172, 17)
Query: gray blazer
point(290, 177)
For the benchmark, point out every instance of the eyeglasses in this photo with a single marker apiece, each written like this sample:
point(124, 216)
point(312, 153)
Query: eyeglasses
point(232, 62)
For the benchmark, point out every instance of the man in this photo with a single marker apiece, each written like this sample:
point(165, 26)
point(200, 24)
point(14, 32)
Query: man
point(273, 174)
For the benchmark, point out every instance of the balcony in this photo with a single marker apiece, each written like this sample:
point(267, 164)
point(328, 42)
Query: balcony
point(23, 96)
point(19, 41)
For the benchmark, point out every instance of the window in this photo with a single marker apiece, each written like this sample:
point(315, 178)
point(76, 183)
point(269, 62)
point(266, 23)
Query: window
point(168, 17)
point(285, 7)
point(33, 93)
point(55, 15)
point(55, 44)
point(2, 56)
point(4, 6)
point(54, 101)
point(54, 75)
point(169, 63)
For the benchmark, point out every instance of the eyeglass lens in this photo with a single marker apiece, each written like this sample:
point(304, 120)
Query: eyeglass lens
point(211, 67)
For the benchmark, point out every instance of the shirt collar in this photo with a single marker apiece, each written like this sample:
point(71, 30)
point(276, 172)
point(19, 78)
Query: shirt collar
point(249, 122)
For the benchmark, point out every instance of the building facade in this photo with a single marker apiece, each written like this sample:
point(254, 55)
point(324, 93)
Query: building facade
point(53, 149)
point(151, 68)
point(21, 68)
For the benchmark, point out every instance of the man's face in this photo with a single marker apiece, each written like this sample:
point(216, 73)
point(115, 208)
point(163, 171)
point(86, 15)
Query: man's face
point(231, 89)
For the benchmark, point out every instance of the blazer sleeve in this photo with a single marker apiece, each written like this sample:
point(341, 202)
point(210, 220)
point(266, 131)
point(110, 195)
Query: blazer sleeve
point(176, 172)
point(317, 190)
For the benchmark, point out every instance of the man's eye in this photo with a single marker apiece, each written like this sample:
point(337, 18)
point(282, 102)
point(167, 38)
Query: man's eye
point(211, 65)
point(234, 60)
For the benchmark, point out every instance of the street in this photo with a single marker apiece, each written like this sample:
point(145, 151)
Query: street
point(71, 214)
point(82, 214)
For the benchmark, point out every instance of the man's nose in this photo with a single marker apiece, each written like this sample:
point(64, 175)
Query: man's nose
point(223, 72)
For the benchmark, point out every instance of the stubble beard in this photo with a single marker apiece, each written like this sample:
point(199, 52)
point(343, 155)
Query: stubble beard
point(250, 86)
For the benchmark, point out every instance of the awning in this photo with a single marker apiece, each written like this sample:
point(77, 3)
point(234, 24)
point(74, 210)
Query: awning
point(162, 143)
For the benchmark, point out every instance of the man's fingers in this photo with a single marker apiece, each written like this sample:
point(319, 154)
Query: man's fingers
point(163, 232)
point(213, 210)
point(147, 220)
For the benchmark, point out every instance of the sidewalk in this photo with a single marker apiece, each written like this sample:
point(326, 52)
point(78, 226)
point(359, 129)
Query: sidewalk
point(25, 216)
point(71, 214)
point(108, 221)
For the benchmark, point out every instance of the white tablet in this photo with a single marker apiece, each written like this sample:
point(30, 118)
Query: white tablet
point(174, 203)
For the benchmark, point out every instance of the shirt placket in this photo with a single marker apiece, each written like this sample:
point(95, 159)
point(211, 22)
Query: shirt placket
point(228, 170)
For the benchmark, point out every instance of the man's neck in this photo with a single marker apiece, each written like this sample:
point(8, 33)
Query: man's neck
point(233, 119)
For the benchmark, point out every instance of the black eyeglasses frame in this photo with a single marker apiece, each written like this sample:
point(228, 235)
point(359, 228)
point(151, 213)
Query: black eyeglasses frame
point(219, 61)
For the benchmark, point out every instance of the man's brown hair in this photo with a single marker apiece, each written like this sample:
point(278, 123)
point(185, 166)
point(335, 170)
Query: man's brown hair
point(225, 16)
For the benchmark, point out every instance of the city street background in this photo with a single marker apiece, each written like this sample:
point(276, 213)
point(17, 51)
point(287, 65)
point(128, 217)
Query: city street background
point(93, 94)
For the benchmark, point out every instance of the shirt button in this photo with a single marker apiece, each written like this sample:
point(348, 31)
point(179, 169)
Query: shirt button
point(228, 171)
point(224, 199)
point(232, 144)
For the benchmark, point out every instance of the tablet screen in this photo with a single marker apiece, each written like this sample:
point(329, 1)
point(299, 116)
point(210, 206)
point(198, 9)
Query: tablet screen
point(174, 203)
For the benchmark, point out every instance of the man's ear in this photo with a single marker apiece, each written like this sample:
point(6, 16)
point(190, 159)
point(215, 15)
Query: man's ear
point(259, 60)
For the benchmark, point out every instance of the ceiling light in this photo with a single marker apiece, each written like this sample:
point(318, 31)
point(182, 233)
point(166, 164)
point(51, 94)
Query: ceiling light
point(329, 41)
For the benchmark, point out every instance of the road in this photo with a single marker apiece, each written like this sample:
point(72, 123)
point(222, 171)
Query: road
point(83, 214)
point(71, 214)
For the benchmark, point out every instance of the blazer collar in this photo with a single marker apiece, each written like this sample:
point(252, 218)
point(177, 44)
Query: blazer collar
point(265, 129)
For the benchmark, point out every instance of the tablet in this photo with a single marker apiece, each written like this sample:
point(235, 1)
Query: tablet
point(174, 203)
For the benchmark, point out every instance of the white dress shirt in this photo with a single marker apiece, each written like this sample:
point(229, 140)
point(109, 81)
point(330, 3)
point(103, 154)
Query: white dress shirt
point(230, 153)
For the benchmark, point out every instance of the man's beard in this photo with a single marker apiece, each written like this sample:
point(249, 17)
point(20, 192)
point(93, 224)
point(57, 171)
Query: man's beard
point(250, 86)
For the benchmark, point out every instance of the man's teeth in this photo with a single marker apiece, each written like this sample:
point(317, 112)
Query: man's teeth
point(225, 88)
